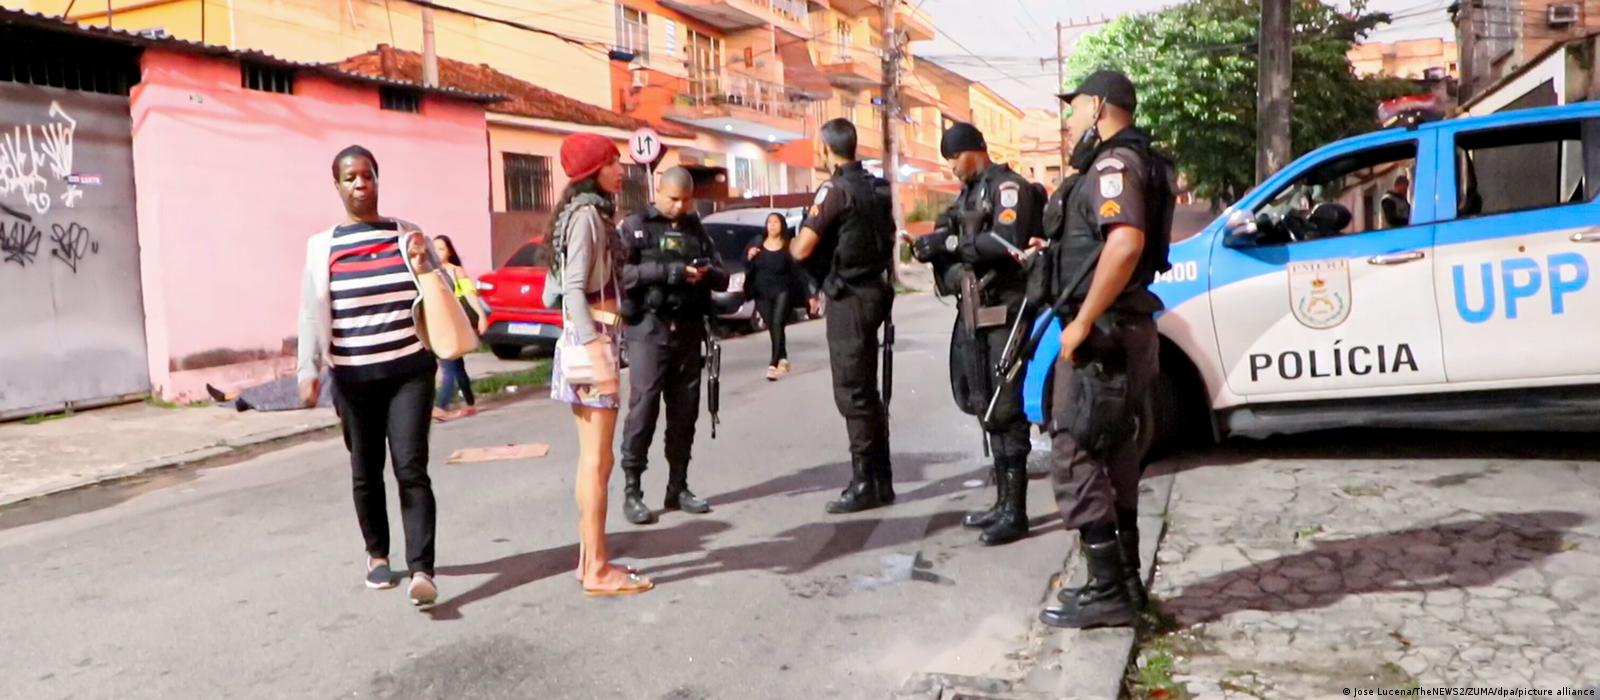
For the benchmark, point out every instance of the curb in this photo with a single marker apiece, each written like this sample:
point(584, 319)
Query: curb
point(1068, 664)
point(224, 448)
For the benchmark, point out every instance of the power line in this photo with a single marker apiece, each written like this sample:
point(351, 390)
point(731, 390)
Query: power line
point(512, 23)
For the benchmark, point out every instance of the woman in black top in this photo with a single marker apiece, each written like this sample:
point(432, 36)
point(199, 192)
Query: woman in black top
point(774, 277)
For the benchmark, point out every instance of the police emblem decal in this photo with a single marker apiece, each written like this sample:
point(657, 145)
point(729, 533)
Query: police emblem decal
point(1319, 293)
point(1111, 185)
point(1008, 195)
point(1110, 209)
point(1008, 216)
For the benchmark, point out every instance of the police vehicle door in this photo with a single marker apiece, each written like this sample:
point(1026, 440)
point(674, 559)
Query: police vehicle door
point(1515, 263)
point(1330, 303)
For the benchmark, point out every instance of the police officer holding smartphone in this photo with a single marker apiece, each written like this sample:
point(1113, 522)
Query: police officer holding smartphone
point(978, 255)
point(1110, 227)
point(846, 242)
point(670, 269)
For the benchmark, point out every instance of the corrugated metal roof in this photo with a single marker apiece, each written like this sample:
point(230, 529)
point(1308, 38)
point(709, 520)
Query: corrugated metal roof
point(327, 70)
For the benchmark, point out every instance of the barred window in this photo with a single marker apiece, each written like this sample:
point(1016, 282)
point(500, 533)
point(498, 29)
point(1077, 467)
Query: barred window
point(66, 62)
point(400, 99)
point(635, 189)
point(633, 32)
point(529, 186)
point(255, 76)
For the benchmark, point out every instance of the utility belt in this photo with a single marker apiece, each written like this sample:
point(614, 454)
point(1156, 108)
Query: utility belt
point(837, 284)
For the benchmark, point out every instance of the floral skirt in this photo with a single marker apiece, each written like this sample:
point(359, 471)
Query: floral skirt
point(581, 395)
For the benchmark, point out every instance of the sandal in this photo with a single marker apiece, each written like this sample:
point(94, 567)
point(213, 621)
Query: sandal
point(772, 374)
point(636, 584)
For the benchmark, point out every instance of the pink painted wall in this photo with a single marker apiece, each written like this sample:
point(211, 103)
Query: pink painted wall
point(231, 182)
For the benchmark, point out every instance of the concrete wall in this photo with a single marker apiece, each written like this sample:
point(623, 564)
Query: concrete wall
point(231, 182)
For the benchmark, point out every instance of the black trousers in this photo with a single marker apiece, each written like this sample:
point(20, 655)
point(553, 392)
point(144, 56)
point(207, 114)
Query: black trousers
point(775, 311)
point(853, 320)
point(394, 415)
point(664, 366)
point(1008, 428)
point(1090, 488)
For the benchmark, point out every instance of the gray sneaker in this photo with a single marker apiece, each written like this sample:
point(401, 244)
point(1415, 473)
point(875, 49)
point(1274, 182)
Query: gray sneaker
point(423, 592)
point(379, 577)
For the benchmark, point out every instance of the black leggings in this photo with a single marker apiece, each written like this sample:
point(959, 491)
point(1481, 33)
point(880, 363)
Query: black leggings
point(391, 413)
point(775, 311)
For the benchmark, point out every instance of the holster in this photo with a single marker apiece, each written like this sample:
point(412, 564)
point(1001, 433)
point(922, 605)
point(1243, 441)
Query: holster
point(1102, 415)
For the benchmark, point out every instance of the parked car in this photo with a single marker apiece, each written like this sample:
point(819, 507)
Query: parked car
point(1330, 296)
point(518, 318)
point(733, 231)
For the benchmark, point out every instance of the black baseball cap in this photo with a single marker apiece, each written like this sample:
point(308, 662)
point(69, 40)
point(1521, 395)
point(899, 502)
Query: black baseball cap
point(1110, 85)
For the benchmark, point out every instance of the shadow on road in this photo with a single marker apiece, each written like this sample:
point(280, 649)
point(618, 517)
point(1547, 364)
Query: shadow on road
point(1463, 554)
point(831, 477)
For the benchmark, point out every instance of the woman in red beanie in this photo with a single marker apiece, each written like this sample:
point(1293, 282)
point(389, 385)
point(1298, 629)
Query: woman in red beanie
point(587, 253)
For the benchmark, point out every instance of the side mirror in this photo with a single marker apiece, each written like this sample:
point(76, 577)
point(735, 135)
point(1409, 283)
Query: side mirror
point(1241, 230)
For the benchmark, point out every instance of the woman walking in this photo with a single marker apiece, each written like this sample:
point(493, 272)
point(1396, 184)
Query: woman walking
point(455, 371)
point(773, 275)
point(358, 308)
point(588, 255)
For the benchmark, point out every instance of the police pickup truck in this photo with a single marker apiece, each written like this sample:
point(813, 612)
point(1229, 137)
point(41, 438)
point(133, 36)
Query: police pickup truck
point(1430, 276)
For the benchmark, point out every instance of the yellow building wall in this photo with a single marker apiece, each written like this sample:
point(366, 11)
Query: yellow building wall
point(331, 30)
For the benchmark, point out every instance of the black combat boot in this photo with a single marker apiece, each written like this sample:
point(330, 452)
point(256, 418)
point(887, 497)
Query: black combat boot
point(633, 507)
point(1103, 602)
point(679, 497)
point(883, 480)
point(981, 519)
point(1128, 541)
point(1011, 521)
point(861, 494)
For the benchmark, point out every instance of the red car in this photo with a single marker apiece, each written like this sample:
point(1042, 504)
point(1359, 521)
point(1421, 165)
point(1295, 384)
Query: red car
point(514, 294)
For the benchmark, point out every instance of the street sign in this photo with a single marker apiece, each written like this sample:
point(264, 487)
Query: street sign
point(645, 146)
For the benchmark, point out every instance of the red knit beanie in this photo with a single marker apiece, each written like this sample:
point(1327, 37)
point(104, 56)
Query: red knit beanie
point(583, 155)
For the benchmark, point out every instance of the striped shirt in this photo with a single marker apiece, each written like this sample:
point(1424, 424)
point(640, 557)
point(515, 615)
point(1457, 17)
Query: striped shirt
point(372, 292)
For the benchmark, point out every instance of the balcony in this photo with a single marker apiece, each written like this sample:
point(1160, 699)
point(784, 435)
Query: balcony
point(916, 23)
point(853, 8)
point(792, 16)
point(742, 106)
point(851, 67)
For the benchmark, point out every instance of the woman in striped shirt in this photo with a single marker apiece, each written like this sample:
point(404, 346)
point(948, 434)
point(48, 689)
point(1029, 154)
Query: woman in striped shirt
point(358, 309)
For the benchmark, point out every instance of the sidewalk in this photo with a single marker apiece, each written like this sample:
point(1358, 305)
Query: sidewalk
point(109, 443)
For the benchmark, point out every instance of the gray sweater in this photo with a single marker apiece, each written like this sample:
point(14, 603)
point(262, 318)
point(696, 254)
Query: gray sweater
point(589, 267)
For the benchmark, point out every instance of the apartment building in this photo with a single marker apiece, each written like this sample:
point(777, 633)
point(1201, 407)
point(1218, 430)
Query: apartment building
point(1040, 148)
point(737, 73)
point(1499, 37)
point(959, 99)
point(1413, 59)
point(848, 47)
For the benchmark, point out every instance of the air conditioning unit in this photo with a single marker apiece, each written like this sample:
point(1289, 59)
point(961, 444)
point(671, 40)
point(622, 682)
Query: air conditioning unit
point(1562, 15)
point(154, 33)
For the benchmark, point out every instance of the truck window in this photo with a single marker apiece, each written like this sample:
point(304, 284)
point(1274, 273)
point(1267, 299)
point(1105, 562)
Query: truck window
point(1522, 168)
point(1369, 190)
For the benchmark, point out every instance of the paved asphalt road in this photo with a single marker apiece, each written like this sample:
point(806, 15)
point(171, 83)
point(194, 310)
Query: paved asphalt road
point(246, 580)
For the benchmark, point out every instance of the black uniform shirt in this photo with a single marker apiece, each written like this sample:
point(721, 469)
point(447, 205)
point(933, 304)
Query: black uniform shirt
point(657, 249)
point(827, 215)
point(1014, 214)
point(1111, 193)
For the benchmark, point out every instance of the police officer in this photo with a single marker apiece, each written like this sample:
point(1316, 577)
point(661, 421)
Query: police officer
point(977, 255)
point(1111, 228)
point(846, 242)
point(669, 271)
point(1396, 207)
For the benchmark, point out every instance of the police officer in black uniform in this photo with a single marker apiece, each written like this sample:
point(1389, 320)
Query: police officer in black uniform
point(1110, 226)
point(846, 243)
point(977, 254)
point(669, 271)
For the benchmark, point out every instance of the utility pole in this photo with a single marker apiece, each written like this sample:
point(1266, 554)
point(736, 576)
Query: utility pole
point(430, 55)
point(891, 109)
point(1274, 106)
point(111, 15)
point(1061, 107)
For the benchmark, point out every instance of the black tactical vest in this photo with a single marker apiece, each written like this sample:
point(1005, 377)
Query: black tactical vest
point(866, 236)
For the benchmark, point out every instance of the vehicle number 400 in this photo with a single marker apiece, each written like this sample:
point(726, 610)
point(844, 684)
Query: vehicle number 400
point(1187, 271)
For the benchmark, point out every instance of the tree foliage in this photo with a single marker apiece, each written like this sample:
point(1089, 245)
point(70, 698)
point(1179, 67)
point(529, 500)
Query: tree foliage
point(1195, 68)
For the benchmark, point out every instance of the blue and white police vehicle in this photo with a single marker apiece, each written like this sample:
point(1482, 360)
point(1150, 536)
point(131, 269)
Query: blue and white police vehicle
point(1433, 276)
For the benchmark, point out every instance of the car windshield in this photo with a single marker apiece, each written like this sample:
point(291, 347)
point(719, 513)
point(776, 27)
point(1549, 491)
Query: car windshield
point(530, 255)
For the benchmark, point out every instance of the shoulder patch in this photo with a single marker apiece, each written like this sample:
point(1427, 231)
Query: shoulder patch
point(1110, 208)
point(1110, 163)
point(1111, 185)
point(1009, 193)
point(1008, 216)
point(822, 194)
